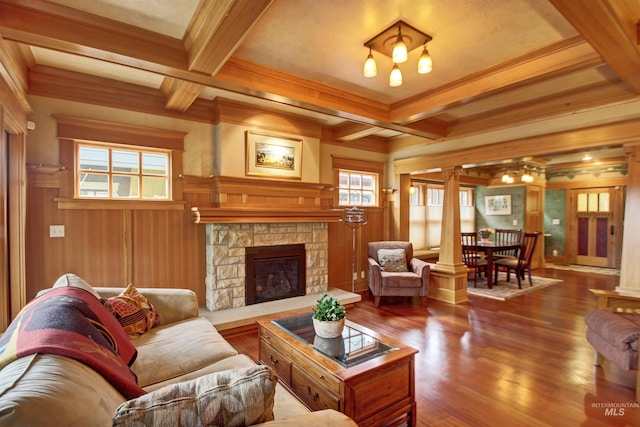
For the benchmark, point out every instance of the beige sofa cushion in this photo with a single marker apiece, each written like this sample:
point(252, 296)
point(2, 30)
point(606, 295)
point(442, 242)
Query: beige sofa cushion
point(235, 397)
point(50, 390)
point(169, 351)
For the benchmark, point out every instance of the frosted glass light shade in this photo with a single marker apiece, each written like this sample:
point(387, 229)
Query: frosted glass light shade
point(399, 54)
point(395, 78)
point(425, 64)
point(370, 67)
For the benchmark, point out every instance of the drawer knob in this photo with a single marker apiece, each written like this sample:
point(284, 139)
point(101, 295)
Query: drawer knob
point(313, 396)
point(273, 360)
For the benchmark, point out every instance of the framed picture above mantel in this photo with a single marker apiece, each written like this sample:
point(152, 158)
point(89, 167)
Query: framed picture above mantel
point(498, 205)
point(273, 156)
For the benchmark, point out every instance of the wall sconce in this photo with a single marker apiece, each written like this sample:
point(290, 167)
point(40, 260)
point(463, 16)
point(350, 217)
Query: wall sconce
point(412, 189)
point(396, 41)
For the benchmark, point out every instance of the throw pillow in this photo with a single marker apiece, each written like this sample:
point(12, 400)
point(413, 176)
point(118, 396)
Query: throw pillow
point(235, 397)
point(392, 260)
point(134, 312)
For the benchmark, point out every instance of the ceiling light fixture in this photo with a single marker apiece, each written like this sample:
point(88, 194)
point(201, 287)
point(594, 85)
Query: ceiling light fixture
point(396, 41)
point(506, 178)
point(526, 177)
point(395, 78)
point(425, 64)
point(370, 67)
point(587, 157)
point(399, 54)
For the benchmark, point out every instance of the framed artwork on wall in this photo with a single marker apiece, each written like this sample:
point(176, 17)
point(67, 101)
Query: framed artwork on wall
point(273, 156)
point(498, 205)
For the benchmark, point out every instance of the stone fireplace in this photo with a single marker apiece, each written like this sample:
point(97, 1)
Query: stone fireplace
point(226, 246)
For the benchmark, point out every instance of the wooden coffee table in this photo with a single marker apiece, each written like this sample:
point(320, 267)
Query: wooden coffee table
point(366, 376)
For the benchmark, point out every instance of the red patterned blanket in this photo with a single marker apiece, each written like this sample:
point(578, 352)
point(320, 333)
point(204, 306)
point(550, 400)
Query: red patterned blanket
point(73, 323)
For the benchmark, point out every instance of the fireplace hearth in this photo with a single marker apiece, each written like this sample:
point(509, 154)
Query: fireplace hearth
point(274, 272)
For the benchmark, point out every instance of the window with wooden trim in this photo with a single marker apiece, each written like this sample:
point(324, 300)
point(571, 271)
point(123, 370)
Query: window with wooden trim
point(357, 188)
point(112, 171)
point(115, 165)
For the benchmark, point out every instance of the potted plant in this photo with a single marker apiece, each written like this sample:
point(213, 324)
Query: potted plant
point(328, 317)
point(485, 233)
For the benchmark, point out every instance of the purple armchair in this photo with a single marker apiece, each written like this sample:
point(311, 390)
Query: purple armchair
point(393, 271)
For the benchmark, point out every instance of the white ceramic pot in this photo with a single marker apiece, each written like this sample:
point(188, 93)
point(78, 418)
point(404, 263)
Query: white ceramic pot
point(328, 329)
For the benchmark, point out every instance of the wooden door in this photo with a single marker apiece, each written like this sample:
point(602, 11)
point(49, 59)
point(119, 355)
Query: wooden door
point(596, 227)
point(533, 220)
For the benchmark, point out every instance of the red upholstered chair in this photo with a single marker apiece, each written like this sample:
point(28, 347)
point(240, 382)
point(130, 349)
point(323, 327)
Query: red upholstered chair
point(387, 257)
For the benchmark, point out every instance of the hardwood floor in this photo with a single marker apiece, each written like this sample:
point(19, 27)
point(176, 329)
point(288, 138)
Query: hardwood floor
point(520, 362)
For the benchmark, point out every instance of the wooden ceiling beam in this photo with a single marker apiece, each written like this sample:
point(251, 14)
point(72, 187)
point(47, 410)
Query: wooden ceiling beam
point(180, 94)
point(53, 26)
point(611, 28)
point(610, 134)
point(563, 57)
point(217, 30)
point(565, 103)
point(348, 131)
point(69, 85)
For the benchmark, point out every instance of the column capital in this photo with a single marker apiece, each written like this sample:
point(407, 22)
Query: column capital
point(452, 172)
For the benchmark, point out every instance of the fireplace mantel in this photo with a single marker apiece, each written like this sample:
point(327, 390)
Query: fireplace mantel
point(251, 200)
point(208, 215)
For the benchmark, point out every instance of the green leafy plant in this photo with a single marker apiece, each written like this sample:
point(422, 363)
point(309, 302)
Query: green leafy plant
point(329, 308)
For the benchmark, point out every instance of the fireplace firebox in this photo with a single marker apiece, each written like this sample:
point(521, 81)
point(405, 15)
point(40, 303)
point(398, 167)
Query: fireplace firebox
point(274, 272)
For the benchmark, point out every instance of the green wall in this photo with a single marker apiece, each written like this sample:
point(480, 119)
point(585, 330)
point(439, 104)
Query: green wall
point(554, 208)
point(483, 220)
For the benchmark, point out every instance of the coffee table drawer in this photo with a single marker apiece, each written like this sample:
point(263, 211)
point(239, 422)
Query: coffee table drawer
point(271, 357)
point(311, 393)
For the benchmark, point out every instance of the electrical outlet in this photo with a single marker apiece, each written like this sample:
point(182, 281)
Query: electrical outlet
point(56, 231)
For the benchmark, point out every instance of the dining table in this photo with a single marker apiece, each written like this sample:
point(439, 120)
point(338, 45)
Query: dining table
point(489, 248)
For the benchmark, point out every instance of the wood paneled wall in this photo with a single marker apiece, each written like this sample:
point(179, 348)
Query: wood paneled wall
point(341, 250)
point(111, 247)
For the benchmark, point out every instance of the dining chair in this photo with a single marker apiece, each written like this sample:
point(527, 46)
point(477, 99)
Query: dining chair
point(522, 263)
point(474, 261)
point(504, 236)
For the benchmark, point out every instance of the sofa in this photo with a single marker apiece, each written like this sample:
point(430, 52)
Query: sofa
point(614, 331)
point(183, 369)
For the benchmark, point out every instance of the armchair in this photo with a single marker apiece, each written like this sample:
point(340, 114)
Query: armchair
point(392, 275)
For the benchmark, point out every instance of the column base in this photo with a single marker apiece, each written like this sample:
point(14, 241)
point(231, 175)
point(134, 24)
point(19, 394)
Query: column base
point(448, 283)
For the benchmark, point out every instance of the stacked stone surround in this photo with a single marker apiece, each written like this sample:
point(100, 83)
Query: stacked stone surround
point(225, 253)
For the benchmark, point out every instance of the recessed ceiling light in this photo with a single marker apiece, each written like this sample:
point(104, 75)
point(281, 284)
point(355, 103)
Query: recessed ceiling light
point(587, 157)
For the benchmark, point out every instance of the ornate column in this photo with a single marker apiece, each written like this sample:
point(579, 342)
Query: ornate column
point(629, 265)
point(449, 275)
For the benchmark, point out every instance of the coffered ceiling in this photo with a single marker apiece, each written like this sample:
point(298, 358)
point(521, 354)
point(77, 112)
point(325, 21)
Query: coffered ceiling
point(502, 70)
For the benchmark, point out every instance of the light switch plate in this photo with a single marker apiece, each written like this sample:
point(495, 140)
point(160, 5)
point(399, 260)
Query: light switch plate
point(56, 231)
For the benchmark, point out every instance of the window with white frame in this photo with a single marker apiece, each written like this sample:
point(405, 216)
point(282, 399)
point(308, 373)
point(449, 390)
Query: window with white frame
point(112, 171)
point(357, 188)
point(426, 213)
